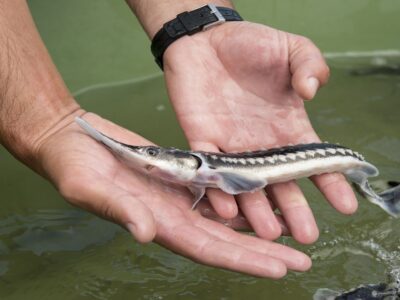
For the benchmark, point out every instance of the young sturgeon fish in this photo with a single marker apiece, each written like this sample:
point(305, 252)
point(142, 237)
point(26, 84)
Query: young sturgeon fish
point(236, 173)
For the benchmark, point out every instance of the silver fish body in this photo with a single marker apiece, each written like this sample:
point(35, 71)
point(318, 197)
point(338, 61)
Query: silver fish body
point(236, 173)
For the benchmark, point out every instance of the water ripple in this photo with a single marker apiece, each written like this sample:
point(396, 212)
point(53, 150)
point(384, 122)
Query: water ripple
point(53, 231)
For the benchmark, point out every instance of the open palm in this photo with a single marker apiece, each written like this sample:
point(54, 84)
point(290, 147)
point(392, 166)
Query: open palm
point(240, 86)
point(89, 176)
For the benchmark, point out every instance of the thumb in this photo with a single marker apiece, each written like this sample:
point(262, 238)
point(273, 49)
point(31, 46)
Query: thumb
point(307, 65)
point(110, 202)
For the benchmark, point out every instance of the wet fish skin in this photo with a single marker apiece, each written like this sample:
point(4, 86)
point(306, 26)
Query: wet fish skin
point(236, 173)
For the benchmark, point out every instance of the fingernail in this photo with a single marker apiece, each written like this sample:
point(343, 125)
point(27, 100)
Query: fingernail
point(313, 85)
point(132, 229)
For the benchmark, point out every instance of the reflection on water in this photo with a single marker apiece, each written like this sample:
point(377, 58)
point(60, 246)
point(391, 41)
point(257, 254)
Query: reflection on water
point(391, 70)
point(54, 231)
point(369, 243)
point(388, 147)
point(68, 254)
point(373, 246)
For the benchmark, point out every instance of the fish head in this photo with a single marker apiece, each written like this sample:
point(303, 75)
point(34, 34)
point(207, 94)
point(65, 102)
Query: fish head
point(167, 163)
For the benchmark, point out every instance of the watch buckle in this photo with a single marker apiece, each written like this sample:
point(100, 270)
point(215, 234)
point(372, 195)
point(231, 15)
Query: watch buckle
point(220, 18)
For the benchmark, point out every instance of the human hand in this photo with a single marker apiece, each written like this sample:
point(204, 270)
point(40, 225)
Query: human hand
point(37, 126)
point(240, 86)
point(90, 177)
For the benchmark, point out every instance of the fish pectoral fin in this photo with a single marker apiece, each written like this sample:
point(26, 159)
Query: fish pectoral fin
point(198, 193)
point(235, 184)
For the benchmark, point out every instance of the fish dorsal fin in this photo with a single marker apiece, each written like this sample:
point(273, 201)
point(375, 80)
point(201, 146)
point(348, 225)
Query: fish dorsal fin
point(234, 184)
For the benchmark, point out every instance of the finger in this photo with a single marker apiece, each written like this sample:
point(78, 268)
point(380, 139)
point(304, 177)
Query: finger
point(256, 208)
point(237, 223)
point(224, 204)
point(199, 245)
point(296, 211)
point(337, 190)
point(284, 227)
point(108, 201)
point(308, 67)
point(293, 259)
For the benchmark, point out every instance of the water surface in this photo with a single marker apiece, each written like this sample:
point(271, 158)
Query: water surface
point(49, 250)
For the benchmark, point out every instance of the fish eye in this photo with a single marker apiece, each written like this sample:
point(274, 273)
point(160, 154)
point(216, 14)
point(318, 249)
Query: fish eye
point(152, 151)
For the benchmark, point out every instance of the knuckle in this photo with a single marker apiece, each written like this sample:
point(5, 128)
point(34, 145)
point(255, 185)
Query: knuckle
point(304, 41)
point(325, 73)
point(236, 257)
point(106, 211)
point(327, 180)
point(255, 203)
point(295, 206)
point(202, 250)
point(308, 41)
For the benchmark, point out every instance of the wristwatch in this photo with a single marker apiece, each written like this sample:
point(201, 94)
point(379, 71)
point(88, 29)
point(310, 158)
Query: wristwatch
point(188, 23)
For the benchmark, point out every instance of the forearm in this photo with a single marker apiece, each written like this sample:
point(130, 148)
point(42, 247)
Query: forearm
point(33, 97)
point(152, 14)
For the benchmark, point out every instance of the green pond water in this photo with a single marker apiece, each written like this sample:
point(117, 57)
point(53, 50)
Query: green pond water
point(50, 250)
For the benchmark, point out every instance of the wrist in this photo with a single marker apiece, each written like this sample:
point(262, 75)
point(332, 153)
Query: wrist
point(33, 96)
point(152, 14)
point(23, 131)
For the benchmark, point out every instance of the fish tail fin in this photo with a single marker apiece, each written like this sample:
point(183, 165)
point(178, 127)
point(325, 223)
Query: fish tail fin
point(391, 200)
point(388, 200)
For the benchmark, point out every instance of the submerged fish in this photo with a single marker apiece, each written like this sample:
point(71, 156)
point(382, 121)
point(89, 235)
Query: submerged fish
point(380, 291)
point(236, 173)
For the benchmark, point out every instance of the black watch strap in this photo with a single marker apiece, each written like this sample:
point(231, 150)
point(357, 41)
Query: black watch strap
point(188, 23)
